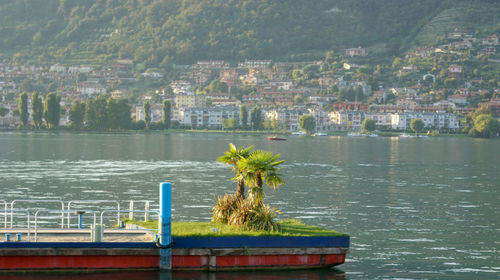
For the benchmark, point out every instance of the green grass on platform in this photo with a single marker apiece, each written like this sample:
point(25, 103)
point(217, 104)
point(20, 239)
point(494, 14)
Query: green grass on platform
point(200, 229)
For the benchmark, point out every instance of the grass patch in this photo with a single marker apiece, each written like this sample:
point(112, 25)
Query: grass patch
point(200, 229)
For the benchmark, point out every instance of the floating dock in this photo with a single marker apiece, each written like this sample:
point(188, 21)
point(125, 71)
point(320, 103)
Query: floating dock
point(143, 249)
point(188, 253)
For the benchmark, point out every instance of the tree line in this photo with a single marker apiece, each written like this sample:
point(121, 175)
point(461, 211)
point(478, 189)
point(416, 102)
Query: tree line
point(101, 113)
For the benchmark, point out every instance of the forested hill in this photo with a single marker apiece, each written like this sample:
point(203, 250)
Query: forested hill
point(163, 32)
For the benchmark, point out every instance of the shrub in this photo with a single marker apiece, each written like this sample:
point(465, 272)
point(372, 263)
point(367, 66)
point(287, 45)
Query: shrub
point(254, 216)
point(224, 207)
point(244, 213)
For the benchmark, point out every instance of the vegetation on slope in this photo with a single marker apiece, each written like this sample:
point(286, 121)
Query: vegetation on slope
point(159, 33)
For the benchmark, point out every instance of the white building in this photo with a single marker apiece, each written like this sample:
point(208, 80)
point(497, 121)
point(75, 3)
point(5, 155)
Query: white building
point(90, 88)
point(401, 121)
point(210, 118)
point(289, 119)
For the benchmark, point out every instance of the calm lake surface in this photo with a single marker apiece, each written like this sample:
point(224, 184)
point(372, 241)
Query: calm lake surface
point(415, 208)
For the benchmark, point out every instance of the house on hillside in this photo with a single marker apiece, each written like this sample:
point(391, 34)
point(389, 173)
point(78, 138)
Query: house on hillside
point(455, 71)
point(90, 88)
point(359, 51)
point(491, 40)
point(460, 99)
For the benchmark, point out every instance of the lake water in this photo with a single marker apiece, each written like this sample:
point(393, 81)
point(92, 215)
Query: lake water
point(415, 208)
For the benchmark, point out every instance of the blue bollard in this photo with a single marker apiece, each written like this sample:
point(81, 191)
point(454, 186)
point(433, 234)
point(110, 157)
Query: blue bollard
point(7, 237)
point(80, 214)
point(165, 226)
point(18, 236)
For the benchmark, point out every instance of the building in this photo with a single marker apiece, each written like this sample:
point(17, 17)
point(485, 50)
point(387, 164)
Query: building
point(255, 64)
point(210, 118)
point(181, 87)
point(491, 40)
point(90, 88)
point(190, 100)
point(211, 64)
point(359, 51)
point(494, 106)
point(401, 121)
point(455, 71)
point(326, 82)
point(350, 106)
point(229, 76)
point(57, 68)
point(460, 99)
point(200, 76)
point(287, 118)
point(347, 120)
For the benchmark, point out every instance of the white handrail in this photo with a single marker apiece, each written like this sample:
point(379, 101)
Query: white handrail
point(57, 211)
point(94, 202)
point(36, 201)
point(146, 208)
point(28, 221)
point(127, 211)
point(5, 212)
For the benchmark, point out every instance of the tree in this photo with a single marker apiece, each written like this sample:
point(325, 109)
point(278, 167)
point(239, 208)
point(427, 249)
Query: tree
point(416, 125)
point(258, 168)
point(256, 118)
point(228, 123)
point(77, 115)
point(167, 114)
point(368, 125)
point(118, 114)
point(95, 113)
point(147, 114)
point(217, 86)
point(485, 126)
point(36, 109)
point(244, 116)
point(4, 111)
point(232, 157)
point(52, 110)
point(307, 123)
point(23, 108)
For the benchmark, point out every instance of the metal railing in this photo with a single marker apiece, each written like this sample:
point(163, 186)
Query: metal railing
point(94, 202)
point(146, 209)
point(82, 211)
point(28, 221)
point(5, 212)
point(36, 201)
point(126, 211)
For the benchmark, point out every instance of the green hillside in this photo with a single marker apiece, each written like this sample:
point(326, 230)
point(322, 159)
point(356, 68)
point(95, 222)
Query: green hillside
point(482, 18)
point(159, 33)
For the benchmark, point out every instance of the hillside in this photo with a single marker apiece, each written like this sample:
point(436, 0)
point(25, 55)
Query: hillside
point(159, 33)
point(481, 19)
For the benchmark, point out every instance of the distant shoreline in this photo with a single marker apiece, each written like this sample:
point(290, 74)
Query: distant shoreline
point(395, 133)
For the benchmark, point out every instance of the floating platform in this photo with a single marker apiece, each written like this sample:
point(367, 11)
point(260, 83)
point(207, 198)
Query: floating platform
point(188, 253)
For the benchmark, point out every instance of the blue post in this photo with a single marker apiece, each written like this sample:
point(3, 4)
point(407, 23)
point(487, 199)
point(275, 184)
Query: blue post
point(165, 226)
point(80, 220)
point(18, 236)
point(7, 237)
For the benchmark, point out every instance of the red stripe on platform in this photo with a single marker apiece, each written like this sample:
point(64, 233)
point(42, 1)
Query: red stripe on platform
point(178, 262)
point(279, 261)
point(47, 262)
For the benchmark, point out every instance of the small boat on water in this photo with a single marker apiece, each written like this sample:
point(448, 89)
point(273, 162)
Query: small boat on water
point(298, 133)
point(277, 138)
point(320, 134)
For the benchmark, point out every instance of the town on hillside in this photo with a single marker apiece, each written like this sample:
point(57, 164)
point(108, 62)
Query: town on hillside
point(439, 85)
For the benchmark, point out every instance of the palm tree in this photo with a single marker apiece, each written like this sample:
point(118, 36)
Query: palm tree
point(232, 157)
point(260, 167)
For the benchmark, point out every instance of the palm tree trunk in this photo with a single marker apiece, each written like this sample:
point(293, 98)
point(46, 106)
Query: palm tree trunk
point(240, 189)
point(258, 185)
